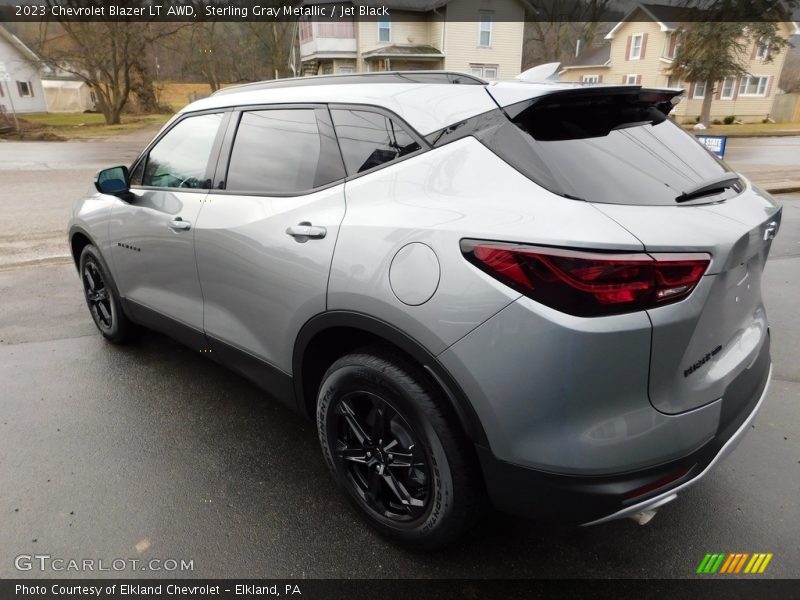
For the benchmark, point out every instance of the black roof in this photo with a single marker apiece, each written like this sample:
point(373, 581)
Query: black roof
point(593, 56)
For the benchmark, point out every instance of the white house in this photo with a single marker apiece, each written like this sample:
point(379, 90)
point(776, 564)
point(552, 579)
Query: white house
point(23, 90)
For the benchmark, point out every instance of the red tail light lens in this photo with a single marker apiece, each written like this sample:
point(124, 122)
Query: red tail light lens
point(589, 284)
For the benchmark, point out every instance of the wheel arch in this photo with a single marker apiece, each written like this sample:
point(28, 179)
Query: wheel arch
point(327, 336)
point(79, 238)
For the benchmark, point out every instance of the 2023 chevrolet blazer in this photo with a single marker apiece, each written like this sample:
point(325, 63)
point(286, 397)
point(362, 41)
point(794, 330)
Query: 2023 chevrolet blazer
point(545, 295)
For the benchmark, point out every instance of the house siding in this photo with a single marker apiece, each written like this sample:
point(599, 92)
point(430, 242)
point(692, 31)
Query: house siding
point(461, 36)
point(653, 71)
point(407, 28)
point(20, 69)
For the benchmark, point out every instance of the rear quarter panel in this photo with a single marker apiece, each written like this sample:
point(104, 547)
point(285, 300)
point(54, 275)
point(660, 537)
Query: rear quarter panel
point(460, 190)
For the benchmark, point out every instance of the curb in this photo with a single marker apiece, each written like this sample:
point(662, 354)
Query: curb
point(746, 134)
point(783, 189)
point(755, 134)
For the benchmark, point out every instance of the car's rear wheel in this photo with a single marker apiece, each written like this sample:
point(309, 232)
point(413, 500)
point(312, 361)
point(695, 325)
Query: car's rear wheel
point(394, 450)
point(102, 298)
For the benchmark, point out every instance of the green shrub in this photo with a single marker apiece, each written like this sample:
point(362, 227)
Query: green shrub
point(729, 119)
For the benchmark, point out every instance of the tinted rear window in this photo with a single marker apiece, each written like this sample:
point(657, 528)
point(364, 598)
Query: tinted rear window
point(609, 149)
point(283, 151)
point(369, 139)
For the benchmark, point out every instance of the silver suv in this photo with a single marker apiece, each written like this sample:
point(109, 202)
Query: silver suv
point(544, 295)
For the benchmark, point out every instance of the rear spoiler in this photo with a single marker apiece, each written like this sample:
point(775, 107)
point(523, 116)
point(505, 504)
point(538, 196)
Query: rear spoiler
point(664, 99)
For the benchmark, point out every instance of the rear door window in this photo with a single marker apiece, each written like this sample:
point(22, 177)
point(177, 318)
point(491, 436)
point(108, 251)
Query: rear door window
point(610, 148)
point(283, 151)
point(369, 139)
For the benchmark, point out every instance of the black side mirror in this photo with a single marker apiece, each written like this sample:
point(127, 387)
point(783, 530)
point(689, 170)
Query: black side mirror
point(114, 181)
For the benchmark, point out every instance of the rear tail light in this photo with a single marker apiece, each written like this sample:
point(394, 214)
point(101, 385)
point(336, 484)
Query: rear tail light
point(589, 284)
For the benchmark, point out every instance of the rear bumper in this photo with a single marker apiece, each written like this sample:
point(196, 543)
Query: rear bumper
point(590, 500)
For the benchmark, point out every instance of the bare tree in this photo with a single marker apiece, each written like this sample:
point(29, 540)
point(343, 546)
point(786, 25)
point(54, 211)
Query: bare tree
point(104, 54)
point(275, 42)
point(553, 28)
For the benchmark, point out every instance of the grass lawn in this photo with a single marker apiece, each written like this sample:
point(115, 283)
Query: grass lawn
point(88, 125)
point(177, 95)
point(85, 125)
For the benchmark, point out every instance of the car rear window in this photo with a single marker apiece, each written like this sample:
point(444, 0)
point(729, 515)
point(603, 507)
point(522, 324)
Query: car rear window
point(614, 148)
point(369, 139)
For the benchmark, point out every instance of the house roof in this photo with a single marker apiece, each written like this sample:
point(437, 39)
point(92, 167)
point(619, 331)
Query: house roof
point(667, 17)
point(410, 5)
point(593, 56)
point(415, 50)
point(26, 52)
point(406, 5)
point(671, 16)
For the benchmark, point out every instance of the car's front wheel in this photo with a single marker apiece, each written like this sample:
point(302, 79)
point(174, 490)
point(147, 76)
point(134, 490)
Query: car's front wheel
point(102, 298)
point(395, 451)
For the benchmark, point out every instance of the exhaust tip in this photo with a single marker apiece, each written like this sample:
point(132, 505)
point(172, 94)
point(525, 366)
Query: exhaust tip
point(644, 517)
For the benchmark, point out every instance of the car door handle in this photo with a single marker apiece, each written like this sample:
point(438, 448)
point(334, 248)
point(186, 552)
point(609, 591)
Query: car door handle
point(306, 230)
point(178, 224)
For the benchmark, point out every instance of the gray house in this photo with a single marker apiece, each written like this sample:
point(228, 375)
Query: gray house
point(20, 81)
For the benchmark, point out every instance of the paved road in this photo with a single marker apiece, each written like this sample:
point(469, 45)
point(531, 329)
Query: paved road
point(41, 181)
point(107, 449)
point(47, 177)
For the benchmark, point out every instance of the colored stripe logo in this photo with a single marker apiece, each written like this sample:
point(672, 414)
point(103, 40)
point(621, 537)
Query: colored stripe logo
point(734, 563)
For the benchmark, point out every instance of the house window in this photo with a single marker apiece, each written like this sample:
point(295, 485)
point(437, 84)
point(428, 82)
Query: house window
point(753, 86)
point(485, 30)
point(699, 90)
point(337, 30)
point(484, 71)
point(24, 88)
point(636, 46)
point(590, 78)
point(728, 86)
point(384, 29)
point(671, 47)
point(631, 79)
point(762, 50)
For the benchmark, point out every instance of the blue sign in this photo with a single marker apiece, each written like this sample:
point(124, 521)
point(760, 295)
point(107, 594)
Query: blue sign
point(714, 143)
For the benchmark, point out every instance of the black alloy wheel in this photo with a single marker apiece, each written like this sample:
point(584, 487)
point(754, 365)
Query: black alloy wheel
point(98, 296)
point(395, 448)
point(103, 299)
point(380, 455)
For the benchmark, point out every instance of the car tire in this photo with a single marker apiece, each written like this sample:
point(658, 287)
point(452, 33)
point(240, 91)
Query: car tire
point(414, 475)
point(102, 298)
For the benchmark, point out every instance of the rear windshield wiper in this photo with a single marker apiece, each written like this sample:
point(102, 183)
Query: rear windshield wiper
point(709, 187)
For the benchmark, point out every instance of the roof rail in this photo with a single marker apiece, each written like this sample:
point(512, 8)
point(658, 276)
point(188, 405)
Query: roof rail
point(452, 77)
